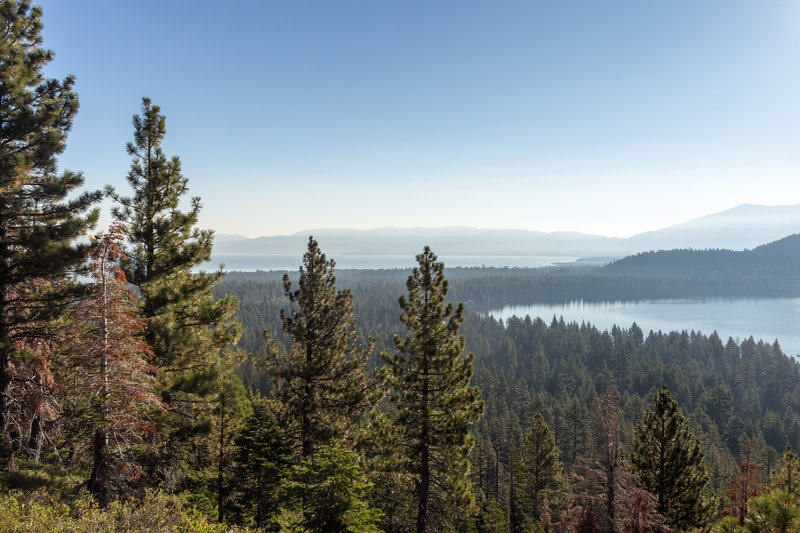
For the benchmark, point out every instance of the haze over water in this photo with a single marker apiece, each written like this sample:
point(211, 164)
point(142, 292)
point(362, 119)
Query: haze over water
point(763, 318)
point(291, 262)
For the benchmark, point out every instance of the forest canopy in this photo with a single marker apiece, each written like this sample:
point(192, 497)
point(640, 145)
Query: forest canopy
point(139, 392)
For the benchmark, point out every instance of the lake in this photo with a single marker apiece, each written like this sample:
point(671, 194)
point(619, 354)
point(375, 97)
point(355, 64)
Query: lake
point(253, 262)
point(763, 318)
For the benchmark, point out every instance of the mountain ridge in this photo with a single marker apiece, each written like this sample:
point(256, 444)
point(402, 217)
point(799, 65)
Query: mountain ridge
point(776, 258)
point(742, 227)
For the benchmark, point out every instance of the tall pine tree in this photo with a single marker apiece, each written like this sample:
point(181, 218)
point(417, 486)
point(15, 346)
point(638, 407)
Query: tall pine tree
point(186, 328)
point(37, 220)
point(541, 470)
point(435, 402)
point(669, 461)
point(321, 381)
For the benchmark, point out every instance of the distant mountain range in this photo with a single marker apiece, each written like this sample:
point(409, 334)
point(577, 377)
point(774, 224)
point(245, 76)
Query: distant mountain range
point(739, 228)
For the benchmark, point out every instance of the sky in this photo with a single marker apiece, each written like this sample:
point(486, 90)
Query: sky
point(609, 118)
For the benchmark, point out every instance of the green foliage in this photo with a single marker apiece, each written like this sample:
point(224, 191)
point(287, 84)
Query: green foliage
point(670, 464)
point(434, 400)
point(232, 407)
point(329, 490)
point(492, 519)
point(186, 328)
point(728, 524)
point(320, 382)
point(605, 489)
point(384, 465)
point(787, 476)
point(37, 220)
point(261, 465)
point(157, 512)
point(45, 475)
point(541, 470)
point(777, 511)
point(710, 377)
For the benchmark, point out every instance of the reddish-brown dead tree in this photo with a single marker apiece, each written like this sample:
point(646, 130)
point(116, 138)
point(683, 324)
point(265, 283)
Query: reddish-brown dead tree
point(745, 484)
point(113, 378)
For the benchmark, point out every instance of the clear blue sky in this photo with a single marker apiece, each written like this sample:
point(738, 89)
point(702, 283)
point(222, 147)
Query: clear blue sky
point(602, 117)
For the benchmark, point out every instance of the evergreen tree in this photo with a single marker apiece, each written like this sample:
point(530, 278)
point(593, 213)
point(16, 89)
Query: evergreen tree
point(774, 512)
point(541, 468)
point(232, 406)
point(333, 492)
point(670, 463)
point(492, 519)
point(37, 221)
point(321, 382)
point(186, 328)
point(384, 465)
point(787, 477)
point(609, 494)
point(112, 377)
point(262, 461)
point(434, 400)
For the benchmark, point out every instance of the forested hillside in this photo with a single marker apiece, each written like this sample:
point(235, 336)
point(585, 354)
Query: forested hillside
point(732, 393)
point(140, 393)
point(771, 260)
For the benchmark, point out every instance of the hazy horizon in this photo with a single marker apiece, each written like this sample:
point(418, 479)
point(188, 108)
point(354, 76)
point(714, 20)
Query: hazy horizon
point(607, 119)
point(403, 228)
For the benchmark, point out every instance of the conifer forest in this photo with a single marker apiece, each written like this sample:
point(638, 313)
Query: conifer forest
point(139, 392)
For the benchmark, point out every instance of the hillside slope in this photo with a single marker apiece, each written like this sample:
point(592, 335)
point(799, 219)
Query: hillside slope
point(777, 258)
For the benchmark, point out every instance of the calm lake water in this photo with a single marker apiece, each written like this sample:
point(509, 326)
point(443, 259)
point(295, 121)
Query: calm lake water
point(763, 318)
point(253, 262)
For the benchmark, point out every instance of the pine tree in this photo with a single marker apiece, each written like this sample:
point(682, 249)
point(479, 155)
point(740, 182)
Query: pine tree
point(776, 511)
point(609, 494)
point(787, 477)
point(37, 221)
point(670, 463)
point(333, 490)
point(186, 328)
point(492, 519)
point(262, 461)
point(541, 468)
point(434, 400)
point(112, 378)
point(232, 406)
point(321, 383)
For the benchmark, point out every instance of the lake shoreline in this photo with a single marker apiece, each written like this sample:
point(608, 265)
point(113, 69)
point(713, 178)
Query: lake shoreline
point(766, 319)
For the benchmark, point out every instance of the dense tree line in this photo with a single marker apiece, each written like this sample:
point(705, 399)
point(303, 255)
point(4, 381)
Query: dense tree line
point(137, 390)
point(774, 259)
point(729, 392)
point(485, 289)
point(126, 405)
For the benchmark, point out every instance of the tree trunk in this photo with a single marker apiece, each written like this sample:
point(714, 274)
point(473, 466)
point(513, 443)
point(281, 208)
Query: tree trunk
point(423, 487)
point(221, 459)
point(36, 438)
point(97, 479)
